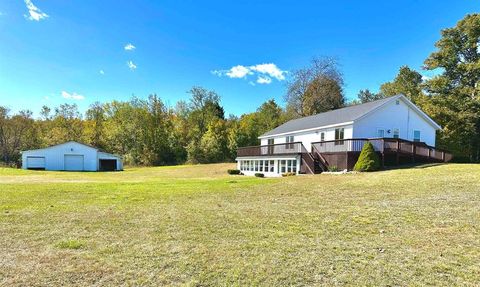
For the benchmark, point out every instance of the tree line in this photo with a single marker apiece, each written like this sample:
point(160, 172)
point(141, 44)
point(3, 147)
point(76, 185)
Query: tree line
point(143, 131)
point(147, 132)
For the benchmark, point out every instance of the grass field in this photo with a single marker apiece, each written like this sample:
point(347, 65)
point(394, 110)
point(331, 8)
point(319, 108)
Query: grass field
point(195, 225)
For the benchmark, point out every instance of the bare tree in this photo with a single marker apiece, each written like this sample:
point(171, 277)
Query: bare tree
point(316, 88)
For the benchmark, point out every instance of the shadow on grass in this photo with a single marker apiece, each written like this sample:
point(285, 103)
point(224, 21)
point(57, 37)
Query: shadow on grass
point(413, 165)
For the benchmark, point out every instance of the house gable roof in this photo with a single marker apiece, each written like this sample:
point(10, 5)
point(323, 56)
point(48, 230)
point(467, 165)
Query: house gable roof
point(341, 116)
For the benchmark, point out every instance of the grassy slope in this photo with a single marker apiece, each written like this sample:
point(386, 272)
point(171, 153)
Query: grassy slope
point(197, 226)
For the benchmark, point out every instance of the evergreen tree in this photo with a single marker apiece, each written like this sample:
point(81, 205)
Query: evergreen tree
point(368, 159)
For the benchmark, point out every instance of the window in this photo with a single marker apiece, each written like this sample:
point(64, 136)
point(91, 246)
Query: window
point(380, 133)
point(283, 166)
point(339, 135)
point(289, 140)
point(270, 146)
point(272, 166)
point(261, 166)
point(322, 136)
point(396, 133)
point(397, 102)
point(416, 136)
point(291, 165)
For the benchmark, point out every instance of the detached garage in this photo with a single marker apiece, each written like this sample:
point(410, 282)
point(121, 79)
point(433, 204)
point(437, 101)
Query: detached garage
point(71, 156)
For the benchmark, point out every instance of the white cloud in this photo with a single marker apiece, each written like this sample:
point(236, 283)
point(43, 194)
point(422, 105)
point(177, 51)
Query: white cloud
point(264, 80)
point(102, 72)
point(263, 72)
point(238, 72)
point(129, 47)
point(217, 73)
point(270, 69)
point(72, 96)
point(35, 14)
point(131, 65)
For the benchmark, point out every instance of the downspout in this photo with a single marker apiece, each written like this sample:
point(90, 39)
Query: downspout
point(408, 122)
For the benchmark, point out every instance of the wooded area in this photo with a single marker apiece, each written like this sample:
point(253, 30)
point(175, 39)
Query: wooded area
point(147, 132)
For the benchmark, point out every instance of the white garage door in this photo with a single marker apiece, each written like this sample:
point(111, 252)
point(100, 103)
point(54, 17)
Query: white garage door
point(35, 162)
point(73, 162)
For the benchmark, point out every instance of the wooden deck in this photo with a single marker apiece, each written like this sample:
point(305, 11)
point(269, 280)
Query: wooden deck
point(343, 154)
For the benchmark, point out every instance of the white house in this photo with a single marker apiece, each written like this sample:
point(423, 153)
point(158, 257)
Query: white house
point(395, 123)
point(71, 156)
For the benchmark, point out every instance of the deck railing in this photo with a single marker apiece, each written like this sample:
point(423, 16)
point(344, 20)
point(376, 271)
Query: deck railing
point(383, 145)
point(274, 149)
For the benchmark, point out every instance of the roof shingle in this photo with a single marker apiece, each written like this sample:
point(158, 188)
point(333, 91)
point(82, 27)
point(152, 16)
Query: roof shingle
point(347, 114)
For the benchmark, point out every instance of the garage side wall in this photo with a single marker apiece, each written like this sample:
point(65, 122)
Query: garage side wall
point(104, 155)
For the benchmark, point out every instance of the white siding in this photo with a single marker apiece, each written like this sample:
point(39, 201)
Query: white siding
point(392, 116)
point(74, 162)
point(55, 156)
point(312, 136)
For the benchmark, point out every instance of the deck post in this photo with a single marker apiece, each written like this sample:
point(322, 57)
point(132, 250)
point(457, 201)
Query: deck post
point(413, 152)
point(443, 156)
point(398, 152)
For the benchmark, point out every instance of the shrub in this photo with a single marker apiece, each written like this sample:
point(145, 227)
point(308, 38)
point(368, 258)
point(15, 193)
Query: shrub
point(288, 174)
point(259, 174)
point(233, 171)
point(368, 159)
point(333, 168)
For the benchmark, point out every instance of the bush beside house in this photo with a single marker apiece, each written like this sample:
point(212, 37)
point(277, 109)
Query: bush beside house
point(233, 171)
point(368, 159)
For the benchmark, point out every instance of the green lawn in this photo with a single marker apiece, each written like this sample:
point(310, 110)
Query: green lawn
point(195, 225)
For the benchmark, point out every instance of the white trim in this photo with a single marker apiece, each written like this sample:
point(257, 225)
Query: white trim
point(307, 130)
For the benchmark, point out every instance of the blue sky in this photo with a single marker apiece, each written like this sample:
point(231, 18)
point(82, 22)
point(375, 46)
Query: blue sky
point(57, 51)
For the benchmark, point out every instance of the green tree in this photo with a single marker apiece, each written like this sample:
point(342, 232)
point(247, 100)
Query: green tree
point(408, 82)
point(17, 133)
point(66, 125)
point(365, 96)
point(156, 132)
point(455, 92)
point(214, 143)
point(94, 125)
point(269, 116)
